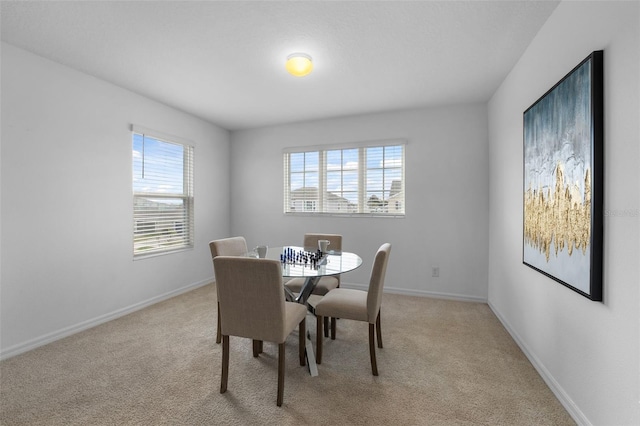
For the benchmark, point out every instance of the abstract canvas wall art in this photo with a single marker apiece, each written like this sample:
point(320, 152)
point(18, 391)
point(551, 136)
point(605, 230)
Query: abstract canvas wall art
point(563, 180)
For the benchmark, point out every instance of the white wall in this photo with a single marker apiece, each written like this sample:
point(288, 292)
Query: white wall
point(446, 220)
point(587, 351)
point(67, 201)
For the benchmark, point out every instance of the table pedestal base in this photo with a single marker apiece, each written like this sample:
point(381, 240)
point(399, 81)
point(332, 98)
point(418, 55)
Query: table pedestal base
point(311, 356)
point(305, 293)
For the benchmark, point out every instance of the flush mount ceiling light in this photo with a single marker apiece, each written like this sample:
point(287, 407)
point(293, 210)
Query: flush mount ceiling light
point(299, 64)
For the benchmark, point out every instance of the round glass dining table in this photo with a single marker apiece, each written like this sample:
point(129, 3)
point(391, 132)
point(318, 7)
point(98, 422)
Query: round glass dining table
point(311, 264)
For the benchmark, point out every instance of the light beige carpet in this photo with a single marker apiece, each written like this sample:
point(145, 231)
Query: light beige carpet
point(443, 363)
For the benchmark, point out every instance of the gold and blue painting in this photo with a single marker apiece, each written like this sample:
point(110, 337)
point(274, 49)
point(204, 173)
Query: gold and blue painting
point(563, 182)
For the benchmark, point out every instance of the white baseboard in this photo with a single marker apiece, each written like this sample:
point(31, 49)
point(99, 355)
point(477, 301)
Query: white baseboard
point(73, 329)
point(421, 293)
point(566, 401)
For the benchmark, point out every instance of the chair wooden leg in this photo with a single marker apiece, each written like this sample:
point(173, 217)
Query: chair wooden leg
point(219, 332)
point(225, 364)
point(256, 348)
point(326, 326)
point(280, 374)
point(379, 330)
point(372, 349)
point(319, 322)
point(333, 328)
point(260, 346)
point(302, 340)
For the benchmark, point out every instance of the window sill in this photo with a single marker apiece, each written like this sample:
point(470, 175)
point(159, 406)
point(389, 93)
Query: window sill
point(357, 215)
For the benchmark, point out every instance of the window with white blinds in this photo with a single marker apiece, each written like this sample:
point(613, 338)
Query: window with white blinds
point(357, 179)
point(162, 194)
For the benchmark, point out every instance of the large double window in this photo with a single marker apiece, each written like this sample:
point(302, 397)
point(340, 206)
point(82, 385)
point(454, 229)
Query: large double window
point(363, 178)
point(162, 193)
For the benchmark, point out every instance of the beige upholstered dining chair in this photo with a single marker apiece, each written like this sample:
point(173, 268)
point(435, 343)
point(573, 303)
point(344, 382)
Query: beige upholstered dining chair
point(327, 283)
point(252, 305)
point(234, 246)
point(356, 305)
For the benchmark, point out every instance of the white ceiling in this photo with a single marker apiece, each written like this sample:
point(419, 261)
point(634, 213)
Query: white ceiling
point(223, 61)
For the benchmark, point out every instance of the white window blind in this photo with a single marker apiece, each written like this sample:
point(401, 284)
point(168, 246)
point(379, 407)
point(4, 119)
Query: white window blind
point(358, 179)
point(162, 195)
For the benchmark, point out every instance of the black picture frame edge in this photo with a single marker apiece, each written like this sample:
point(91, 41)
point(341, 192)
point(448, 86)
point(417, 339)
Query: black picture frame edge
point(597, 197)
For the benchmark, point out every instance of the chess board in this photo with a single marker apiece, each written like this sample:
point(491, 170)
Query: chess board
point(291, 256)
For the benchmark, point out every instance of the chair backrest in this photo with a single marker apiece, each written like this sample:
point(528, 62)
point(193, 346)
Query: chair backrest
point(376, 283)
point(234, 246)
point(251, 298)
point(311, 241)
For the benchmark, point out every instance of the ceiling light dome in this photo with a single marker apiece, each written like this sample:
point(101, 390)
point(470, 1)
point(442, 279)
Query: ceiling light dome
point(299, 64)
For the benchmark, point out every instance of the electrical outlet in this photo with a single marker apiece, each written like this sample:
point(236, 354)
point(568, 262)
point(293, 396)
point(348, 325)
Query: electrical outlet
point(435, 271)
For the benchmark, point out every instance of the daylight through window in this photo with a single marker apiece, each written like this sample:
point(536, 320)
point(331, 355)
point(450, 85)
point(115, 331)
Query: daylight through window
point(365, 178)
point(162, 195)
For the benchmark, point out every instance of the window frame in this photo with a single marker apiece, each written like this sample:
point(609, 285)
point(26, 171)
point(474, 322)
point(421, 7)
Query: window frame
point(357, 208)
point(186, 231)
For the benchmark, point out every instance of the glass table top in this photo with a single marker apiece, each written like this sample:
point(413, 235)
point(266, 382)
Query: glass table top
point(300, 262)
